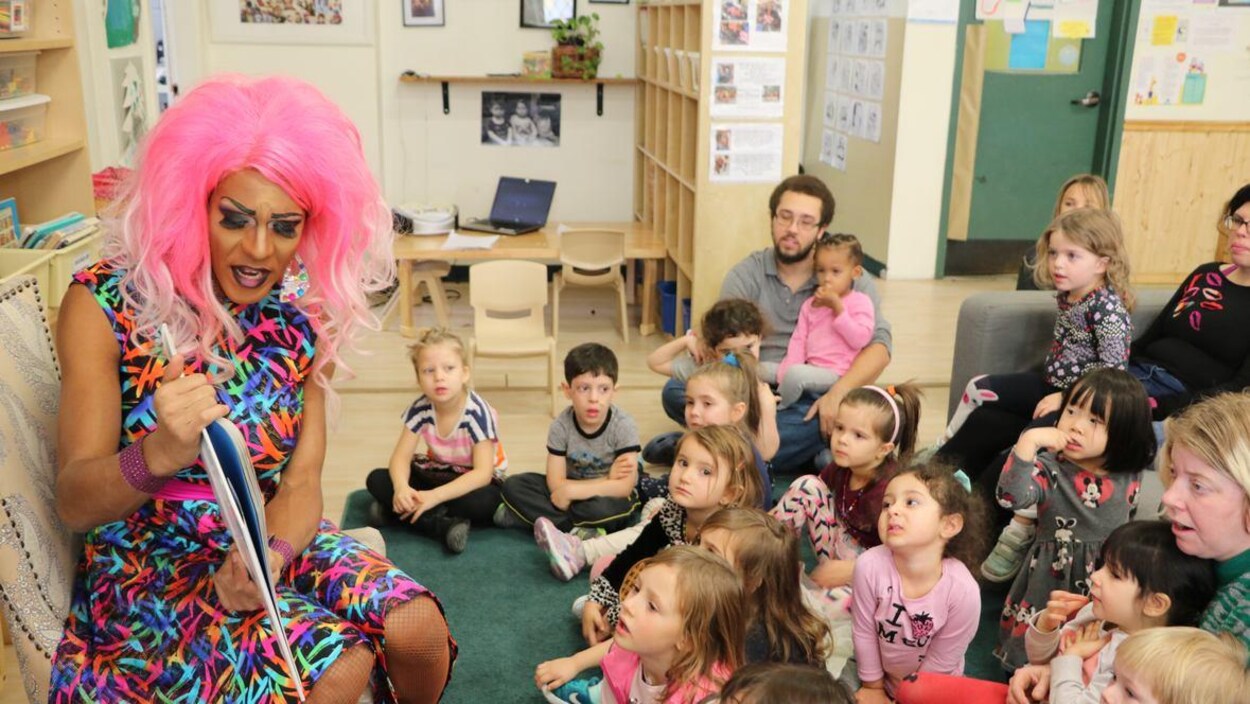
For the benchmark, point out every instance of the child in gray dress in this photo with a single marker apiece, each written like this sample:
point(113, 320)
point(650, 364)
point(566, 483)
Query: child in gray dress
point(1083, 475)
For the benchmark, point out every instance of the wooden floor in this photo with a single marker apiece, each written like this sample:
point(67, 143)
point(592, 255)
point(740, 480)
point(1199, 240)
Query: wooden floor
point(923, 314)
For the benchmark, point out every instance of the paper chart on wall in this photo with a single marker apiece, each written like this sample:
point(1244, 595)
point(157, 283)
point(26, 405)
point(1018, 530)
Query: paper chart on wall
point(1075, 19)
point(831, 109)
point(748, 87)
point(1167, 78)
point(751, 25)
point(833, 146)
point(746, 153)
point(935, 11)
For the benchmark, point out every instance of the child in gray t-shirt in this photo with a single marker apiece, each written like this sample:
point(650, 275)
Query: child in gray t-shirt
point(592, 456)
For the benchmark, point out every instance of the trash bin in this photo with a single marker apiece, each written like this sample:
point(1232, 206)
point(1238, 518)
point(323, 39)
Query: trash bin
point(668, 307)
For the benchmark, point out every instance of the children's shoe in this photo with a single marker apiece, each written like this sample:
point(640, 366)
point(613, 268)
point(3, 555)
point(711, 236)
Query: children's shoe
point(579, 605)
point(585, 533)
point(579, 691)
point(457, 536)
point(1007, 557)
point(378, 516)
point(564, 551)
point(505, 517)
point(661, 450)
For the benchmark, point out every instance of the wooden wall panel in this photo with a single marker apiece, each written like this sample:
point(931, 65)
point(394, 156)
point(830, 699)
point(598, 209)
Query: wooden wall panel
point(1172, 183)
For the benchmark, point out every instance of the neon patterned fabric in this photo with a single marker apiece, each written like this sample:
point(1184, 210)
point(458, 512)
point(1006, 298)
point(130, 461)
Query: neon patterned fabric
point(144, 621)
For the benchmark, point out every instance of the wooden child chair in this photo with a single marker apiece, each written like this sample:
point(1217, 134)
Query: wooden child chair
point(591, 257)
point(508, 299)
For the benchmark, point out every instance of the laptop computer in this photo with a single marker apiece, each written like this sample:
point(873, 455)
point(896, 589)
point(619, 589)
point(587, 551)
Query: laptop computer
point(521, 206)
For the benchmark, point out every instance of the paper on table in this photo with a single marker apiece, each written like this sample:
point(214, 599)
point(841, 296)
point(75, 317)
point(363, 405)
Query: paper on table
point(455, 240)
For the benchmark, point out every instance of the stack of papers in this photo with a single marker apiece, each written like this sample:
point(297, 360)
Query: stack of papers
point(455, 240)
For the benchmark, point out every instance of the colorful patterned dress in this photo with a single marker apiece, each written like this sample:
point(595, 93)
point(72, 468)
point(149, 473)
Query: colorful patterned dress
point(144, 621)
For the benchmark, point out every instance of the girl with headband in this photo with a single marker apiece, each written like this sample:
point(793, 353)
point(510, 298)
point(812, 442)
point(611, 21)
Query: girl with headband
point(873, 436)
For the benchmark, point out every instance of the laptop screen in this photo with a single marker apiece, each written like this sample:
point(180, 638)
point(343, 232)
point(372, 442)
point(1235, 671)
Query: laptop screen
point(522, 201)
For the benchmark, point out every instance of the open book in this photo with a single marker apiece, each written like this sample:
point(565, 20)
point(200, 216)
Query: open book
point(242, 505)
point(233, 478)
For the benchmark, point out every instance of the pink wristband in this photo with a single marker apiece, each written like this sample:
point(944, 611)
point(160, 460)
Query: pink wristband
point(283, 548)
point(135, 469)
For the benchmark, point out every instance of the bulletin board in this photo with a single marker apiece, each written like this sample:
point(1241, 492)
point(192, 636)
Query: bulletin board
point(1191, 62)
point(851, 116)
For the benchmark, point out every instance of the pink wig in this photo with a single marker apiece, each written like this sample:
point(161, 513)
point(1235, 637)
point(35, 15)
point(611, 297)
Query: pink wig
point(292, 135)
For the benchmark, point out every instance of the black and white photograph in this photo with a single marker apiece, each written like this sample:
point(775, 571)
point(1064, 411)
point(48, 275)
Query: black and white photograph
point(520, 119)
point(542, 14)
point(423, 13)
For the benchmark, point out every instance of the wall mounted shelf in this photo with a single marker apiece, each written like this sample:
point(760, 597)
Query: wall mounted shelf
point(514, 78)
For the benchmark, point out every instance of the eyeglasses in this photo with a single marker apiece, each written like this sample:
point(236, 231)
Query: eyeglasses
point(1234, 223)
point(786, 219)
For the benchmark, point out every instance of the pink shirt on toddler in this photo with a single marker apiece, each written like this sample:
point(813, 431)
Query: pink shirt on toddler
point(895, 636)
point(822, 340)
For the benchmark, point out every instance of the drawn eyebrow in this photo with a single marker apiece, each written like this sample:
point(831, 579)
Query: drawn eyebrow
point(240, 207)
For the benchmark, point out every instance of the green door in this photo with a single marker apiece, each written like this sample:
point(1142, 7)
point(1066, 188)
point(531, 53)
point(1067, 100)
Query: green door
point(1037, 130)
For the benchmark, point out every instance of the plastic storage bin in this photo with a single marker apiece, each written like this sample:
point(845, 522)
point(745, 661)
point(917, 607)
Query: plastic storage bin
point(21, 120)
point(668, 307)
point(17, 74)
point(15, 262)
point(15, 17)
point(66, 262)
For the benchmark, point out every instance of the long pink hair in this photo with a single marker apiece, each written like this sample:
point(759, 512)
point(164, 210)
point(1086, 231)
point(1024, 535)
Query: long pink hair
point(292, 135)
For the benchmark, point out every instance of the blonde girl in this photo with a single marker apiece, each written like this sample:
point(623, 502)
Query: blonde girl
point(719, 393)
point(1179, 666)
point(875, 433)
point(1082, 256)
point(916, 604)
point(678, 639)
point(714, 469)
point(446, 467)
point(765, 554)
point(1080, 191)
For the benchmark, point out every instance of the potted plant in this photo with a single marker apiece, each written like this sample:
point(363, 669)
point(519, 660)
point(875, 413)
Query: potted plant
point(577, 51)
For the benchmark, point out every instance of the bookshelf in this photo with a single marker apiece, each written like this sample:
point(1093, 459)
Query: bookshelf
point(53, 175)
point(707, 226)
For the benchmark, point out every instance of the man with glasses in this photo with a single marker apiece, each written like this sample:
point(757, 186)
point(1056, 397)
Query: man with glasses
point(779, 279)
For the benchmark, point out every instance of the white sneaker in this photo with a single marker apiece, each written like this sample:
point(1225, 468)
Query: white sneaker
point(579, 605)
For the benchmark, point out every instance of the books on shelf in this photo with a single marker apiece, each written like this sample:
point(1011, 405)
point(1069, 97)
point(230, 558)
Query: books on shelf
point(62, 232)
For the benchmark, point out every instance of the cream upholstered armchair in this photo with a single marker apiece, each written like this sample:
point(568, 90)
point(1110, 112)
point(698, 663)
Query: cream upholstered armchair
point(37, 552)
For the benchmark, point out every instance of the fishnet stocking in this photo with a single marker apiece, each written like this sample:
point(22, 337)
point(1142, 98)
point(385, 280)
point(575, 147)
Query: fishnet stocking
point(345, 680)
point(418, 651)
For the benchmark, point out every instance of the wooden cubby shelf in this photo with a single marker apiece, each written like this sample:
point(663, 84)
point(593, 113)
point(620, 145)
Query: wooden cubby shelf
point(707, 225)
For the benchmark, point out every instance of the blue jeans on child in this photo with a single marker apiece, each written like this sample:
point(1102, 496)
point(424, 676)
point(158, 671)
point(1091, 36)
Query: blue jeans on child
point(1159, 383)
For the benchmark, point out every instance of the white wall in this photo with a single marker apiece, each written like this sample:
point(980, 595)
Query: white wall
point(419, 154)
point(435, 158)
point(920, 154)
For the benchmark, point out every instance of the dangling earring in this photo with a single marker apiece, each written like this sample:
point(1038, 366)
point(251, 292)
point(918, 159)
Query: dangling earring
point(294, 281)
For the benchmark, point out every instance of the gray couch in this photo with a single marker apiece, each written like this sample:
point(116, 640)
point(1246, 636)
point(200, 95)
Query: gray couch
point(1009, 331)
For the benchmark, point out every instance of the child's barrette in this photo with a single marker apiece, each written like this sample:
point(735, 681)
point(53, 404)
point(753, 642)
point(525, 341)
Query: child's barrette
point(732, 360)
point(963, 480)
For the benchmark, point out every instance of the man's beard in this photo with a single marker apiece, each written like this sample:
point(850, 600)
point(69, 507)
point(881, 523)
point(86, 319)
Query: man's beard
point(793, 258)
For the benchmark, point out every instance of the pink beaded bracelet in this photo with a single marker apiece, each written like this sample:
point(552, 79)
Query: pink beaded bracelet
point(283, 548)
point(135, 469)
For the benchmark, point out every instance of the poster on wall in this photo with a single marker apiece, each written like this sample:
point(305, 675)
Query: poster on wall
point(131, 106)
point(1032, 51)
point(1170, 79)
point(745, 153)
point(281, 22)
point(748, 87)
point(520, 119)
point(121, 22)
point(833, 149)
point(751, 25)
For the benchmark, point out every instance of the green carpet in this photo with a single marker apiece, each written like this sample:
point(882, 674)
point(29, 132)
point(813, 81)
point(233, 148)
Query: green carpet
point(508, 613)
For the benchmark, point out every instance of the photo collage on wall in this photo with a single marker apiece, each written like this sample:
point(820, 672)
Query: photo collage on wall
point(855, 77)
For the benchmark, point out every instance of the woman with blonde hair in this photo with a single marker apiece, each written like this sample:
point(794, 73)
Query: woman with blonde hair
point(1205, 465)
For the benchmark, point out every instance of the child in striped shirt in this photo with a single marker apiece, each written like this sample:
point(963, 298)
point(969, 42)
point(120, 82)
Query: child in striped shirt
point(455, 481)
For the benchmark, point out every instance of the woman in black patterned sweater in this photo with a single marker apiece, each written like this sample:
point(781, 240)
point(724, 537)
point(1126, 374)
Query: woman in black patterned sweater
point(1198, 345)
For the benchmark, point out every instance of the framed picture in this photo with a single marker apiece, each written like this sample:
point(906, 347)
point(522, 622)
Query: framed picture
point(540, 14)
point(270, 22)
point(609, 2)
point(423, 13)
point(520, 119)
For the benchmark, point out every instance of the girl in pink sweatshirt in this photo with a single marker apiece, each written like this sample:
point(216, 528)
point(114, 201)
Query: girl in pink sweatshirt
point(916, 605)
